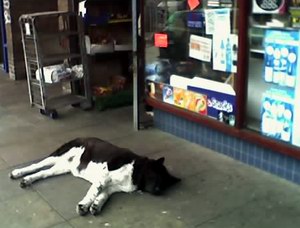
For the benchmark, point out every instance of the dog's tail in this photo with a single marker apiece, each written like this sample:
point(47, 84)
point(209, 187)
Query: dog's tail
point(66, 147)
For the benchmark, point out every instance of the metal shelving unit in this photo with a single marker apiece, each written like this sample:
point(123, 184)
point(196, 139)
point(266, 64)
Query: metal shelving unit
point(53, 39)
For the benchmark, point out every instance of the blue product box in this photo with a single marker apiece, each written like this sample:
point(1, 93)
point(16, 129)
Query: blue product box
point(221, 99)
point(195, 20)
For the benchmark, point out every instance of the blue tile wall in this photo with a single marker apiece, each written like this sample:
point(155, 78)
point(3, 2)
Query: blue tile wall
point(265, 159)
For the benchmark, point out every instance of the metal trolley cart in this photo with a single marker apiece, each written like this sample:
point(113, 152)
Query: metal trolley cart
point(56, 62)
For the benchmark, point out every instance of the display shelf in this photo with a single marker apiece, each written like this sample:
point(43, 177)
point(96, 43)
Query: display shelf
point(59, 33)
point(258, 36)
point(43, 47)
point(106, 49)
point(272, 27)
point(294, 8)
point(108, 37)
point(112, 21)
point(123, 47)
point(257, 51)
point(101, 48)
point(62, 101)
point(60, 57)
point(116, 21)
point(67, 79)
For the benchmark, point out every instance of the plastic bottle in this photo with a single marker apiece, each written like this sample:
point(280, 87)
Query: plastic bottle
point(287, 126)
point(228, 56)
point(222, 47)
point(291, 69)
point(266, 117)
point(268, 64)
point(283, 68)
point(277, 65)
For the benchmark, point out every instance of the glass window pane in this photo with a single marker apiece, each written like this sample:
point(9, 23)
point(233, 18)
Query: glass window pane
point(191, 55)
point(273, 85)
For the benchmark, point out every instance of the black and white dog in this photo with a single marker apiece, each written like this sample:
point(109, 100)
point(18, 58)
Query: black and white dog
point(108, 168)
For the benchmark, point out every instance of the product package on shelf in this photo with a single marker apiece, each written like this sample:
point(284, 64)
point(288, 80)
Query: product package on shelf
point(219, 3)
point(115, 94)
point(277, 114)
point(281, 62)
point(54, 73)
point(59, 72)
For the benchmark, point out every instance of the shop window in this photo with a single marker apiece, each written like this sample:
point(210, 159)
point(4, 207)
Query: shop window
point(191, 55)
point(273, 84)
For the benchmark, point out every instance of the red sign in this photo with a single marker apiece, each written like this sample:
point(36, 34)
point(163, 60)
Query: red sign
point(193, 4)
point(161, 40)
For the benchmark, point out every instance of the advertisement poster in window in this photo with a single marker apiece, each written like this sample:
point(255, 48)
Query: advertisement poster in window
point(200, 48)
point(277, 114)
point(225, 53)
point(219, 99)
point(189, 100)
point(281, 62)
point(216, 19)
point(280, 107)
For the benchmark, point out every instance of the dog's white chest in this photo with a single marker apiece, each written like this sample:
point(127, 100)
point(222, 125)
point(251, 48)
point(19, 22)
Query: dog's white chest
point(121, 179)
point(93, 172)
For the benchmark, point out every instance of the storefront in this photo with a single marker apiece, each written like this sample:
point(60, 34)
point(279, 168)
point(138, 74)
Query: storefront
point(224, 74)
point(220, 73)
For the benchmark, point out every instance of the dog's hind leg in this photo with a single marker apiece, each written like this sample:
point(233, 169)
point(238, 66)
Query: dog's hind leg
point(53, 171)
point(20, 172)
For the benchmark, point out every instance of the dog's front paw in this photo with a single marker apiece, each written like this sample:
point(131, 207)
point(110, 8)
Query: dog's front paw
point(82, 209)
point(95, 209)
point(25, 183)
point(14, 174)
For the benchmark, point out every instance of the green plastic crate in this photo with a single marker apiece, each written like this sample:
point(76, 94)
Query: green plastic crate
point(118, 99)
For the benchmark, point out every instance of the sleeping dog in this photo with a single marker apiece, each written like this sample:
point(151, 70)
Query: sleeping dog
point(108, 168)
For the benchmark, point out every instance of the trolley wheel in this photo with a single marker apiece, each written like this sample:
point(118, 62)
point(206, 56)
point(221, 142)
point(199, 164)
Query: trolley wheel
point(51, 113)
point(43, 112)
point(76, 105)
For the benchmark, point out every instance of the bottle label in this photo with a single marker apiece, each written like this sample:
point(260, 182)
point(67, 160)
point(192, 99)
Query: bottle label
point(268, 74)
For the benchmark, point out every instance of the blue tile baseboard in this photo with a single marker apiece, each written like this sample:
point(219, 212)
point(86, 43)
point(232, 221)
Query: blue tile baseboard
point(265, 159)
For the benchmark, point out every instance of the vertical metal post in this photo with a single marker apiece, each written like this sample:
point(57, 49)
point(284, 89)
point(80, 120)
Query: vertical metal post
point(135, 65)
point(4, 38)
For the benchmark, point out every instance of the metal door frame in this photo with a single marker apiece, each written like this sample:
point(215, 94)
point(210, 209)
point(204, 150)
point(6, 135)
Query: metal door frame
point(4, 38)
point(138, 60)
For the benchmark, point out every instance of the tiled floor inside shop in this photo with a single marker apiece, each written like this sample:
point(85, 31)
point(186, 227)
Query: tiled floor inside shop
point(215, 191)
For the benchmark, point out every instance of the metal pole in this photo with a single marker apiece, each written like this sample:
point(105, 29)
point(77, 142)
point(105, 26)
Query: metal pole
point(135, 66)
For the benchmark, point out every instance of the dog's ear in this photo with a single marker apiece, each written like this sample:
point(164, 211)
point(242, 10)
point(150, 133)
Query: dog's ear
point(160, 161)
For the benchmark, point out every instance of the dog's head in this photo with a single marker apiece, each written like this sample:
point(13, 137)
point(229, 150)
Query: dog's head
point(157, 178)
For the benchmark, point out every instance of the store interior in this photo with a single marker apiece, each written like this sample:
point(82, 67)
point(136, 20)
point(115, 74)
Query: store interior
point(174, 32)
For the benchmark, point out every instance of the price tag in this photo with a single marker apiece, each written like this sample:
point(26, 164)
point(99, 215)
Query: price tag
point(193, 4)
point(161, 40)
